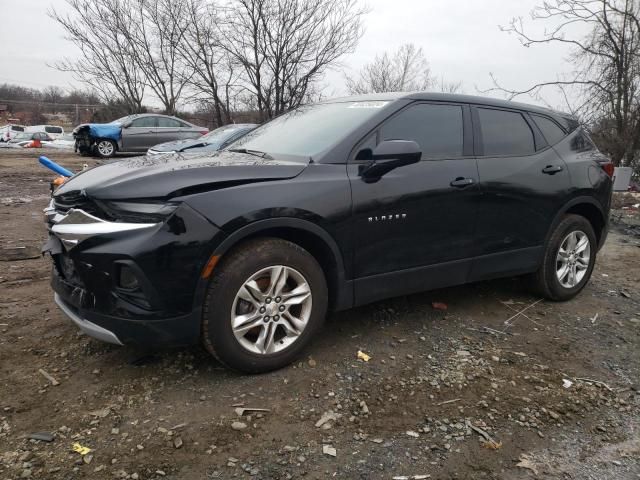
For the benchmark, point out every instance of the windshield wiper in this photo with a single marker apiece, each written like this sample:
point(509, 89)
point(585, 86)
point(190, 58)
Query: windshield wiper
point(256, 153)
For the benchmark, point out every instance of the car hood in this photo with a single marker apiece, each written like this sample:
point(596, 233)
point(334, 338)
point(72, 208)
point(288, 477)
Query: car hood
point(171, 175)
point(179, 145)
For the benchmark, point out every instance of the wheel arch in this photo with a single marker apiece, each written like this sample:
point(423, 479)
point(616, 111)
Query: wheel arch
point(588, 208)
point(310, 236)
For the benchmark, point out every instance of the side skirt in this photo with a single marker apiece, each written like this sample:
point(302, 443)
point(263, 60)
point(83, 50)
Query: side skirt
point(419, 279)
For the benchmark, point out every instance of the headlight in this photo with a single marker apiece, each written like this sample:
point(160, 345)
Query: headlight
point(140, 212)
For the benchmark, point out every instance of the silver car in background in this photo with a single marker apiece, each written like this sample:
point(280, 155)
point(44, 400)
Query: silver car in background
point(132, 134)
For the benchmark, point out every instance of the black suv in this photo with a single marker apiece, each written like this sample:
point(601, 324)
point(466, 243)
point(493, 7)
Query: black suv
point(329, 206)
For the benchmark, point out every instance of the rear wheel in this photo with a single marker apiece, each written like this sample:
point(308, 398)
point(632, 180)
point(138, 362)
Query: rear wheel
point(263, 305)
point(105, 148)
point(568, 260)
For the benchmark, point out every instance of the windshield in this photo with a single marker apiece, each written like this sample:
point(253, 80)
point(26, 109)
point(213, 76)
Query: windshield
point(309, 130)
point(220, 135)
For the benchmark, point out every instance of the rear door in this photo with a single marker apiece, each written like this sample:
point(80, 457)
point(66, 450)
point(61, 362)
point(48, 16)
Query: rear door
point(523, 183)
point(140, 135)
point(414, 228)
point(170, 129)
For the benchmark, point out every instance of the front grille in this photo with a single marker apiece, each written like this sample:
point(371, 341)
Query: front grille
point(75, 199)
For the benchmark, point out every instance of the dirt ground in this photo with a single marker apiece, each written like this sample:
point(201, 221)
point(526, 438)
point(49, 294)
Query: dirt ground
point(472, 392)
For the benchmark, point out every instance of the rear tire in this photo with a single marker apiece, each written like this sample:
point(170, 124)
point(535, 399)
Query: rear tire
point(264, 304)
point(568, 261)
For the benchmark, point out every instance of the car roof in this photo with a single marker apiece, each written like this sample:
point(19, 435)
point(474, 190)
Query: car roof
point(452, 97)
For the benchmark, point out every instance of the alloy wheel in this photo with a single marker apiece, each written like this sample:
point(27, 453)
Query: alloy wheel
point(105, 148)
point(572, 260)
point(271, 310)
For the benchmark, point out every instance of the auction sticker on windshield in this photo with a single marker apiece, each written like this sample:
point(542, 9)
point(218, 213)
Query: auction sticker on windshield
point(376, 104)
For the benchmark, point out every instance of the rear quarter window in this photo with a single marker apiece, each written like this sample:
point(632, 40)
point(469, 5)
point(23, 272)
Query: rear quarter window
point(582, 143)
point(16, 128)
point(505, 133)
point(550, 129)
point(53, 129)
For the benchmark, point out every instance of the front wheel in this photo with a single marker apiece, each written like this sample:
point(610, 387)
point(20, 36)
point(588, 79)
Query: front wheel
point(263, 305)
point(106, 148)
point(569, 259)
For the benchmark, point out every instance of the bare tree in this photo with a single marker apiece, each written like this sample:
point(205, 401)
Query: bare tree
point(105, 64)
point(213, 75)
point(284, 47)
point(154, 40)
point(606, 66)
point(128, 45)
point(404, 70)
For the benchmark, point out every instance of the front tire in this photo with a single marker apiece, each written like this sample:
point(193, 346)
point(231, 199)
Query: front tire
point(568, 261)
point(263, 305)
point(105, 148)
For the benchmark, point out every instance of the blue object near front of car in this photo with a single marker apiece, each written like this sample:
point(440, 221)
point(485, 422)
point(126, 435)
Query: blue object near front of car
point(50, 164)
point(110, 131)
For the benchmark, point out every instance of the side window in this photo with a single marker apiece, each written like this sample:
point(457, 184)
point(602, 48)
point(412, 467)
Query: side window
point(168, 123)
point(505, 133)
point(438, 129)
point(550, 129)
point(144, 122)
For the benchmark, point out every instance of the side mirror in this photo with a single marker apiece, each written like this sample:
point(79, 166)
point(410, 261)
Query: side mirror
point(388, 156)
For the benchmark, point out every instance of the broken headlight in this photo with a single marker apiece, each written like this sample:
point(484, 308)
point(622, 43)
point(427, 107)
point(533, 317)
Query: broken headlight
point(140, 212)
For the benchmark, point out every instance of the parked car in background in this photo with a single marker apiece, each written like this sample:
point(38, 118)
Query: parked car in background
point(63, 141)
point(211, 142)
point(23, 138)
point(9, 131)
point(330, 206)
point(54, 131)
point(133, 133)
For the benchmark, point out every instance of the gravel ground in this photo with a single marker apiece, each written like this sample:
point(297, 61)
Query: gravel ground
point(473, 391)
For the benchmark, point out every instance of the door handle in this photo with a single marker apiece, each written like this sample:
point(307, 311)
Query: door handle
point(552, 169)
point(461, 182)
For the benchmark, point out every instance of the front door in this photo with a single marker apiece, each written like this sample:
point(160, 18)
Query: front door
point(414, 228)
point(140, 135)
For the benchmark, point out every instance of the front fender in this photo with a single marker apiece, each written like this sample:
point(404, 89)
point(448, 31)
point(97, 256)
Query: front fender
point(343, 288)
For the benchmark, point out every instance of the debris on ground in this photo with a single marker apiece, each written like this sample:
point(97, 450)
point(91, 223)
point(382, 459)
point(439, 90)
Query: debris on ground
point(41, 436)
point(329, 450)
point(52, 380)
point(363, 356)
point(81, 449)
point(526, 462)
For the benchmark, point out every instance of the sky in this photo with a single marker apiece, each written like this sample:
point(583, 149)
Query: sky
point(462, 42)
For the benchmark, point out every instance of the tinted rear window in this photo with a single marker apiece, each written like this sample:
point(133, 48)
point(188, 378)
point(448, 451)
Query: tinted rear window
point(436, 128)
point(505, 133)
point(53, 129)
point(550, 129)
point(16, 128)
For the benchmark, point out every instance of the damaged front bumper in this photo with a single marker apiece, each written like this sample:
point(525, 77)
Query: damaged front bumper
point(129, 283)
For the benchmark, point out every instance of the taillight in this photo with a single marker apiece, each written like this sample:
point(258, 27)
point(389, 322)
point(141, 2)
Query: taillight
point(608, 168)
point(204, 132)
